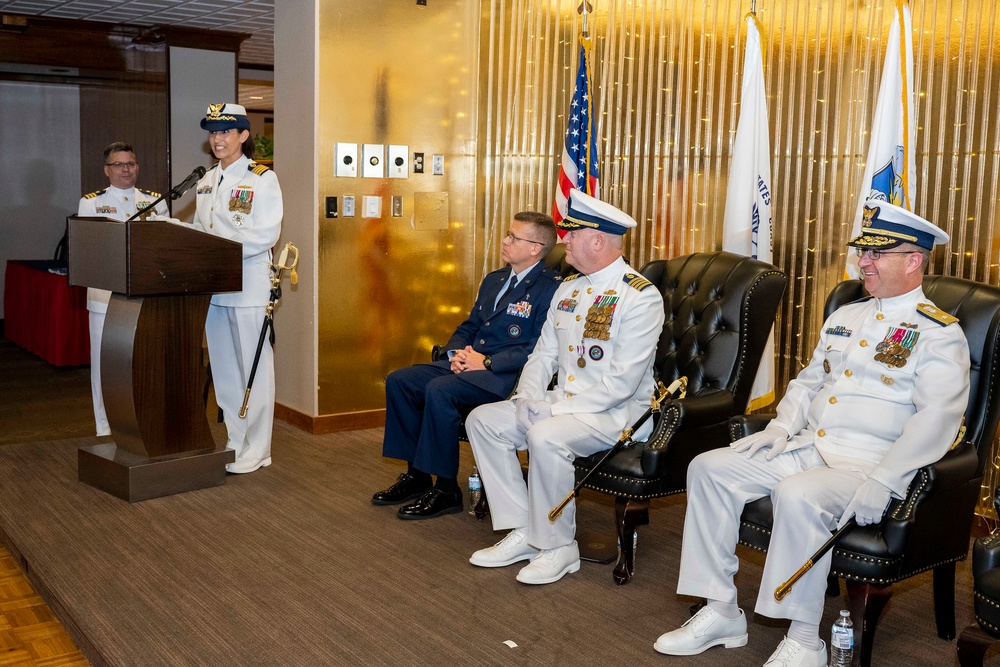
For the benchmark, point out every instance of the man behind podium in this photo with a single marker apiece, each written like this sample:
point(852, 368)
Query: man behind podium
point(119, 201)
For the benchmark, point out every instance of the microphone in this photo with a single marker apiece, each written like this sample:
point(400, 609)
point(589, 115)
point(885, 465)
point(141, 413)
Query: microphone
point(187, 183)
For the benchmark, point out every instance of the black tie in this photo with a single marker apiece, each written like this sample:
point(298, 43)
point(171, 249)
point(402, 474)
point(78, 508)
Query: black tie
point(510, 285)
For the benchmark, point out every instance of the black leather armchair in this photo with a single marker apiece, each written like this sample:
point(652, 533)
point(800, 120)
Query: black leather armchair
point(976, 639)
point(929, 529)
point(719, 308)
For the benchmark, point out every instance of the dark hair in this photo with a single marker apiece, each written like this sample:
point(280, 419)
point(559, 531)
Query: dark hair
point(248, 147)
point(118, 147)
point(544, 227)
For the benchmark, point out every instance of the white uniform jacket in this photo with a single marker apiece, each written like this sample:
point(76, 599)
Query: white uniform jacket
point(885, 391)
point(118, 205)
point(242, 203)
point(600, 334)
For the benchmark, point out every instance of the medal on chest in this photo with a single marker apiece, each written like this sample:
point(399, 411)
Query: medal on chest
point(600, 315)
point(896, 347)
point(241, 199)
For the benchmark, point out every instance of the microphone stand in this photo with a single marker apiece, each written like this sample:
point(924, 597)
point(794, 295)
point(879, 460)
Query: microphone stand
point(175, 193)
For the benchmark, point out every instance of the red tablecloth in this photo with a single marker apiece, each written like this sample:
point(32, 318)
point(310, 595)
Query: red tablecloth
point(43, 314)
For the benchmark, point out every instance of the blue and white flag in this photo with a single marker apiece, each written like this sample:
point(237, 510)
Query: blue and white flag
point(891, 168)
point(746, 227)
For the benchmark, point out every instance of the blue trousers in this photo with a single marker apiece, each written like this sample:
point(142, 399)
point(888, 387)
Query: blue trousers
point(424, 408)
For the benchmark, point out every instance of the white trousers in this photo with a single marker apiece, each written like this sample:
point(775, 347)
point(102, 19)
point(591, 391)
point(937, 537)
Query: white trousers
point(96, 333)
point(552, 445)
point(808, 500)
point(232, 341)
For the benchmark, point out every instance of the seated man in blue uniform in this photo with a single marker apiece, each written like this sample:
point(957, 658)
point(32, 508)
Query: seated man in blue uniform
point(424, 404)
point(883, 396)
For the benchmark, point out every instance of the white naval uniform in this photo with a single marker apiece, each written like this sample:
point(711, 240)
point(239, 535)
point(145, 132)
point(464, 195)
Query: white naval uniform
point(234, 320)
point(851, 417)
point(591, 405)
point(118, 205)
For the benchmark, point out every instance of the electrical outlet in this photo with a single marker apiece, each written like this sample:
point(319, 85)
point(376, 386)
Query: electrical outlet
point(348, 206)
point(331, 207)
point(418, 163)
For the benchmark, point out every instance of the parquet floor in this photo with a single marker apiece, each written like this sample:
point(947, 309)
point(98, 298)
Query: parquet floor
point(30, 636)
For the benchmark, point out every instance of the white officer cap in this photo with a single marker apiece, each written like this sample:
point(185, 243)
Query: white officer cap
point(225, 116)
point(886, 225)
point(586, 212)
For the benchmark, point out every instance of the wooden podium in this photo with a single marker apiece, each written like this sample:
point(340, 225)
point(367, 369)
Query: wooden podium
point(162, 276)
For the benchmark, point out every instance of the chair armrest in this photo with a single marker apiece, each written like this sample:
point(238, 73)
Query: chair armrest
point(741, 426)
point(985, 554)
point(942, 494)
point(685, 428)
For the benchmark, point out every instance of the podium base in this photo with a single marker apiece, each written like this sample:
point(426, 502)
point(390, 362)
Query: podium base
point(133, 478)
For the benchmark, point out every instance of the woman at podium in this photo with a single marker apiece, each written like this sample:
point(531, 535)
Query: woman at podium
point(240, 200)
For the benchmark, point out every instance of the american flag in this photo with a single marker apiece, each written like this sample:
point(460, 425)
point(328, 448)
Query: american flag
point(579, 158)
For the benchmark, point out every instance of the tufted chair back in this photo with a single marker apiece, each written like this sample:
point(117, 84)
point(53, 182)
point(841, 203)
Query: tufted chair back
point(929, 529)
point(719, 311)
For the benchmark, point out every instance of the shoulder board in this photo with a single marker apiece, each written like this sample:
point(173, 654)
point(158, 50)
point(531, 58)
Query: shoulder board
point(95, 194)
point(636, 281)
point(936, 314)
point(149, 192)
point(257, 168)
point(572, 276)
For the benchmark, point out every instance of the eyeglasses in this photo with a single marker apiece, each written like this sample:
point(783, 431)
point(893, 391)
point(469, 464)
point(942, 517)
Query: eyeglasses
point(122, 165)
point(510, 237)
point(874, 254)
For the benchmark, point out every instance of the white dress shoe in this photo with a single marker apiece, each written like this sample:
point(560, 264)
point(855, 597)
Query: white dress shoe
point(790, 653)
point(551, 565)
point(509, 550)
point(247, 465)
point(702, 631)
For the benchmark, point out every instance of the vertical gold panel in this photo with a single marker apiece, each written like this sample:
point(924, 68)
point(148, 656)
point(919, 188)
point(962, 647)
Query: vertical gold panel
point(393, 72)
point(666, 76)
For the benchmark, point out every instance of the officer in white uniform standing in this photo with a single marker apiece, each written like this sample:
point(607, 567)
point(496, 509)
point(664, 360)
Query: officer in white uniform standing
point(600, 335)
point(119, 201)
point(883, 395)
point(240, 200)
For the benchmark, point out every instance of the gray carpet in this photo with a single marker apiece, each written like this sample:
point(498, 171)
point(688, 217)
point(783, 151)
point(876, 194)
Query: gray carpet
point(292, 565)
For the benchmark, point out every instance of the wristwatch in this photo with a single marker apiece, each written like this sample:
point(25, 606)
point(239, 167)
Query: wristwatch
point(488, 362)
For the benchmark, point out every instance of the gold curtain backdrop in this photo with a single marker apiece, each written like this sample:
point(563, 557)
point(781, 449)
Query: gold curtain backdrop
point(666, 76)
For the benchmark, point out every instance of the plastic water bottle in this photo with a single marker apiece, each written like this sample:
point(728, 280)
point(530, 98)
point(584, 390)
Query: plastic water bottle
point(475, 490)
point(842, 641)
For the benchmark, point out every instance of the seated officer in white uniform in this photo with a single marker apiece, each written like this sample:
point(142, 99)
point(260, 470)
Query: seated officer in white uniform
point(600, 336)
point(883, 395)
point(119, 201)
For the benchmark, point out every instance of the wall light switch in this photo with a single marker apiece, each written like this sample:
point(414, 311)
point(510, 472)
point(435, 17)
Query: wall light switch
point(437, 165)
point(345, 160)
point(397, 161)
point(372, 207)
point(331, 207)
point(397, 206)
point(348, 206)
point(373, 160)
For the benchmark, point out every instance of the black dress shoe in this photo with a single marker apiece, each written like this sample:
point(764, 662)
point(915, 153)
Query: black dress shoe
point(407, 487)
point(433, 503)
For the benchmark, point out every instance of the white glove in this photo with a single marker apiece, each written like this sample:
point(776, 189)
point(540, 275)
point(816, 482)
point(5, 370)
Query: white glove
point(868, 504)
point(522, 414)
point(539, 410)
point(775, 437)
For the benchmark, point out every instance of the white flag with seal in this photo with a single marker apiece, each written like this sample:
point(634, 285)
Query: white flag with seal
point(891, 168)
point(746, 227)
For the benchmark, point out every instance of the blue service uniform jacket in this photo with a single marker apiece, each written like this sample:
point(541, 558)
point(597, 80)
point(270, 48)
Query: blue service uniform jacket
point(508, 334)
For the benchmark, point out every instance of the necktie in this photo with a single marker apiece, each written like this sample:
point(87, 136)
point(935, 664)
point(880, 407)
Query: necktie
point(510, 285)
